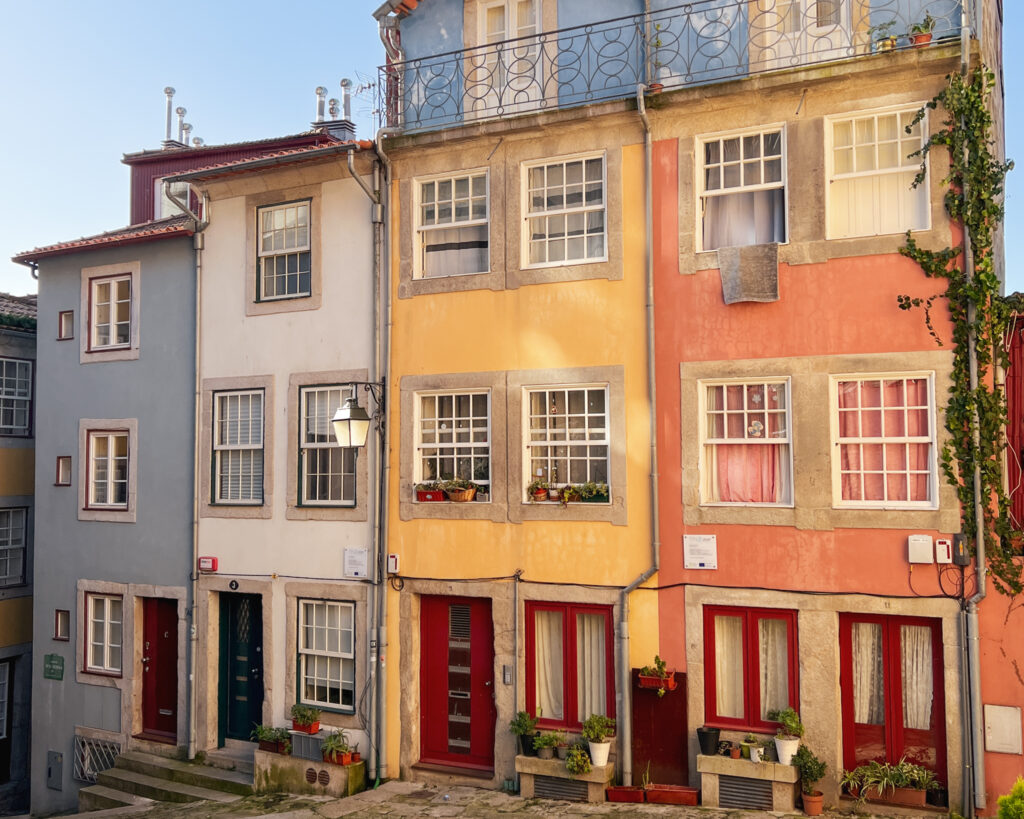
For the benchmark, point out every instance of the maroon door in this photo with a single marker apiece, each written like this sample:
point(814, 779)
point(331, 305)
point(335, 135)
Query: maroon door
point(457, 682)
point(160, 668)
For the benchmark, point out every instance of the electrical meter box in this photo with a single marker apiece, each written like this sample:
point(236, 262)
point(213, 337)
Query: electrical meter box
point(961, 555)
point(943, 550)
point(919, 549)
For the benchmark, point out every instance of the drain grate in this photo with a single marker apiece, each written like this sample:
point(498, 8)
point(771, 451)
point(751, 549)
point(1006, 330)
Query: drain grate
point(552, 787)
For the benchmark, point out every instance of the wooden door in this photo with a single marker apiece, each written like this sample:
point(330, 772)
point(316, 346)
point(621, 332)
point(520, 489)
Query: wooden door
point(241, 665)
point(457, 710)
point(160, 668)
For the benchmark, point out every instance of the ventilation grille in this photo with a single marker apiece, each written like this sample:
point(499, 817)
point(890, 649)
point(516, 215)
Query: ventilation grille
point(739, 792)
point(93, 756)
point(458, 622)
point(551, 787)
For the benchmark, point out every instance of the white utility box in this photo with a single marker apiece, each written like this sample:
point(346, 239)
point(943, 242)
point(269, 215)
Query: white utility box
point(919, 549)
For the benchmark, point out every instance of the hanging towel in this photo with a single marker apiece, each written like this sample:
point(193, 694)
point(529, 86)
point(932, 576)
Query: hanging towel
point(749, 273)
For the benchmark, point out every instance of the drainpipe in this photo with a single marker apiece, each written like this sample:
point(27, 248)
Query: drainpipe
point(625, 716)
point(193, 651)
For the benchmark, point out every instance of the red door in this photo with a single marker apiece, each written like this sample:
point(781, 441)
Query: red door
point(892, 691)
point(457, 682)
point(160, 668)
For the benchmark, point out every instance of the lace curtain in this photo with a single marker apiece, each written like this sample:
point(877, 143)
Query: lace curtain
point(547, 638)
point(591, 668)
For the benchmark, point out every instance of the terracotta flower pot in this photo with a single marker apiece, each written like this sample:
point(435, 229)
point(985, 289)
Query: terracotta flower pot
point(735, 751)
point(813, 803)
point(312, 728)
point(671, 795)
point(921, 40)
point(624, 793)
point(430, 496)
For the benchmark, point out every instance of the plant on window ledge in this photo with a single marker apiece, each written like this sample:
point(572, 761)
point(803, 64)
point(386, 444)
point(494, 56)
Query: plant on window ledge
point(537, 491)
point(577, 761)
point(594, 492)
point(545, 744)
point(787, 738)
point(305, 718)
point(335, 748)
point(274, 740)
point(975, 417)
point(921, 33)
point(902, 783)
point(459, 490)
point(658, 676)
point(430, 492)
point(882, 36)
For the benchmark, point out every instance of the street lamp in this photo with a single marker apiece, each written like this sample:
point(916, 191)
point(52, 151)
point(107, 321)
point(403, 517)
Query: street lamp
point(351, 424)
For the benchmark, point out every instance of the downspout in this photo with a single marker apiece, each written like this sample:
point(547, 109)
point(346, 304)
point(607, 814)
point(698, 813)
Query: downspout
point(193, 650)
point(625, 716)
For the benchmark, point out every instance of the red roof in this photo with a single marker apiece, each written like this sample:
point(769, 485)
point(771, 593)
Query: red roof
point(144, 232)
point(157, 154)
point(19, 306)
point(274, 159)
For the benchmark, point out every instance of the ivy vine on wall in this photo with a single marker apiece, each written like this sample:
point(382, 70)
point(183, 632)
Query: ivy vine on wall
point(975, 418)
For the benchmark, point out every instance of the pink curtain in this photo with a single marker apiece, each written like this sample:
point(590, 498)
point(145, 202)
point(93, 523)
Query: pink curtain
point(747, 473)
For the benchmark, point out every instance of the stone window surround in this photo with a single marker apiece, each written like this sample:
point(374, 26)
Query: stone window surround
point(507, 165)
point(508, 500)
point(291, 304)
point(344, 592)
point(88, 274)
point(293, 510)
point(87, 425)
point(209, 509)
point(30, 427)
point(810, 424)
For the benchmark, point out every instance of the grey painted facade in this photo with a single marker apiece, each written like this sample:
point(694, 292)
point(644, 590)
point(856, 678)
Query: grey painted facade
point(145, 555)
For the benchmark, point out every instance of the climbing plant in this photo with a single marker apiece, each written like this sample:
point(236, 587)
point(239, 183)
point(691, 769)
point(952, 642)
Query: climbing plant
point(975, 418)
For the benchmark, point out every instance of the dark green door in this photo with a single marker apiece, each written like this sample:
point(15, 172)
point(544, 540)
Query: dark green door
point(241, 664)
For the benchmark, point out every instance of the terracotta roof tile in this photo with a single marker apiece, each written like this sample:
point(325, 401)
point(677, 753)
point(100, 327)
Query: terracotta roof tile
point(19, 306)
point(145, 231)
point(274, 158)
point(158, 153)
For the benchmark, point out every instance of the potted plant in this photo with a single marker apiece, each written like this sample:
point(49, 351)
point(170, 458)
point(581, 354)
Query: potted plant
point(570, 494)
point(562, 747)
point(787, 739)
point(459, 490)
point(355, 753)
point(735, 751)
point(921, 33)
point(658, 676)
point(768, 753)
point(591, 492)
point(577, 762)
point(523, 724)
point(274, 740)
point(335, 748)
point(545, 744)
point(305, 718)
point(430, 492)
point(748, 742)
point(882, 36)
point(707, 737)
point(597, 728)
point(902, 783)
point(811, 770)
point(671, 794)
point(537, 491)
point(630, 793)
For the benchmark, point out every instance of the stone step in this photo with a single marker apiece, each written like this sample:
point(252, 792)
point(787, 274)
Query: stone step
point(186, 773)
point(163, 790)
point(233, 758)
point(127, 810)
point(101, 798)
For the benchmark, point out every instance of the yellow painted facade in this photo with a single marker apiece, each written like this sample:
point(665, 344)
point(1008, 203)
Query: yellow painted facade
point(15, 621)
point(17, 471)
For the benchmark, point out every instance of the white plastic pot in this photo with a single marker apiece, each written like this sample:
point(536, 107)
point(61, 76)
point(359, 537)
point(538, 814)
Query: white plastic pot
point(785, 748)
point(599, 752)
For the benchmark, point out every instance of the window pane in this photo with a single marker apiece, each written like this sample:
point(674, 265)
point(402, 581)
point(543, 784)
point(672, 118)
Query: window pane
point(773, 643)
point(729, 666)
point(548, 664)
point(917, 673)
point(868, 690)
point(591, 666)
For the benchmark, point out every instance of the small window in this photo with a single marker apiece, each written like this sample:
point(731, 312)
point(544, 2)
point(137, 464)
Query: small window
point(12, 547)
point(15, 396)
point(565, 212)
point(743, 184)
point(327, 672)
point(110, 312)
point(746, 453)
point(108, 470)
point(453, 437)
point(103, 633)
point(328, 470)
point(65, 325)
point(569, 662)
point(63, 470)
point(567, 435)
point(238, 447)
point(283, 251)
point(453, 226)
point(62, 625)
point(750, 666)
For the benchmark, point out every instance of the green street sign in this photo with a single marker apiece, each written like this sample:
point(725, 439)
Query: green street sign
point(53, 667)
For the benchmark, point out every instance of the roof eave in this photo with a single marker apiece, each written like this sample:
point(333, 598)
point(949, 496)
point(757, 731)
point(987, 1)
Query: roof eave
point(248, 166)
point(33, 256)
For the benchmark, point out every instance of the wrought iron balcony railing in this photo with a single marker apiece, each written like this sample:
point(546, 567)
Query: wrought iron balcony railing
point(693, 44)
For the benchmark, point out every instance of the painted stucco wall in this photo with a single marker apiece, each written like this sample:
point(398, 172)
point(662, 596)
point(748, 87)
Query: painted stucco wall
point(156, 550)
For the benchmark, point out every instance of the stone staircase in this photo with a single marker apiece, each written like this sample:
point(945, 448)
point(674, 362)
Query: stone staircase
point(138, 780)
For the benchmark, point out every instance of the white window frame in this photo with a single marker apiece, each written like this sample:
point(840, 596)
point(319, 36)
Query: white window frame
point(706, 441)
point(564, 480)
point(12, 548)
point(106, 642)
point(262, 256)
point(304, 652)
point(930, 439)
point(306, 447)
point(94, 304)
point(65, 325)
point(15, 395)
point(584, 209)
point(101, 493)
point(831, 176)
point(423, 230)
point(700, 184)
point(221, 450)
point(454, 448)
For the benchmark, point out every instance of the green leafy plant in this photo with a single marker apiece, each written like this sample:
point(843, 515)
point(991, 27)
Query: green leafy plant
point(593, 490)
point(1011, 805)
point(522, 724)
point(458, 483)
point(811, 768)
point(751, 739)
point(334, 743)
point(975, 413)
point(577, 761)
point(659, 670)
point(267, 733)
point(882, 31)
point(926, 26)
point(547, 739)
point(536, 486)
point(305, 714)
point(429, 486)
point(790, 726)
point(883, 778)
point(598, 727)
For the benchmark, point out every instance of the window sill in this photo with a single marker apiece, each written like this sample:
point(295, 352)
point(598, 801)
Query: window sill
point(493, 510)
point(289, 297)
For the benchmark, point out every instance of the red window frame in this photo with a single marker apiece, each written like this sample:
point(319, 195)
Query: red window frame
point(570, 704)
point(751, 719)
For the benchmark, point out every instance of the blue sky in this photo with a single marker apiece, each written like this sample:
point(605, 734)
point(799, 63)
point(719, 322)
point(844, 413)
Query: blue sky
point(83, 84)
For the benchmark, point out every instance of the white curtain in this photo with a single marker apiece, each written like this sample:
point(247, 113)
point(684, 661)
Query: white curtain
point(455, 251)
point(740, 219)
point(774, 656)
point(916, 659)
point(547, 633)
point(868, 692)
point(729, 665)
point(591, 668)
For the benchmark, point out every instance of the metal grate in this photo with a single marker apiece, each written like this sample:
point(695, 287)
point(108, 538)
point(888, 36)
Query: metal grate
point(458, 622)
point(93, 756)
point(551, 787)
point(740, 792)
point(307, 746)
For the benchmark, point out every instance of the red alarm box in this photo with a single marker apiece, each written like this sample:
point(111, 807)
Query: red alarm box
point(207, 564)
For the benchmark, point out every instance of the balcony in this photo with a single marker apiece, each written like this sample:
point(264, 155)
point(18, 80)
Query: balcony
point(699, 43)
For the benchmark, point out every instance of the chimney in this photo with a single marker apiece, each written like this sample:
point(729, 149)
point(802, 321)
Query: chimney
point(181, 122)
point(321, 94)
point(168, 142)
point(339, 128)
